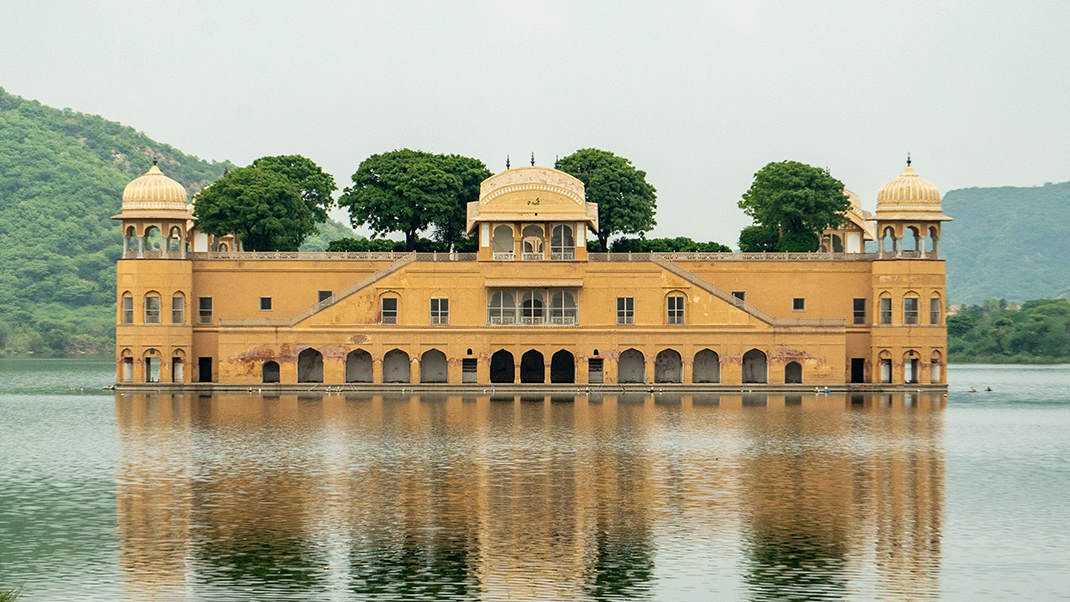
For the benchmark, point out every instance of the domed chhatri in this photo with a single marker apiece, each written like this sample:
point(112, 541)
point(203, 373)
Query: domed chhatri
point(909, 196)
point(155, 191)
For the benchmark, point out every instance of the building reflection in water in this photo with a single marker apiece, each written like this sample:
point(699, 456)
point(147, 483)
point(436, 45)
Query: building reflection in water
point(531, 497)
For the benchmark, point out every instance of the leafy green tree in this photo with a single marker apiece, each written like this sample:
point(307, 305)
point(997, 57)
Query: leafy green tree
point(680, 244)
point(263, 208)
point(316, 185)
point(758, 239)
point(409, 191)
point(626, 202)
point(797, 201)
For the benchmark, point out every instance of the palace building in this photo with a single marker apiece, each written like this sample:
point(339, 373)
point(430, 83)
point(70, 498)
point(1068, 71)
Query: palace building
point(532, 305)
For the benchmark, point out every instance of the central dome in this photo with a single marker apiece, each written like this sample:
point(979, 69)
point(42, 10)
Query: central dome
point(155, 191)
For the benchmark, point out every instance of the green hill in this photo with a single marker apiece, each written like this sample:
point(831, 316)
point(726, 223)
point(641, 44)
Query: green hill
point(1006, 243)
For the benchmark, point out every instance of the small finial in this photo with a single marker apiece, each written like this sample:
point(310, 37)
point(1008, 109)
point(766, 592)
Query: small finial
point(533, 158)
point(154, 159)
point(507, 161)
point(908, 158)
point(828, 173)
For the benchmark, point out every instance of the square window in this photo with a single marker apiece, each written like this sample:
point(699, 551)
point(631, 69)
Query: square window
point(860, 311)
point(675, 306)
point(390, 310)
point(440, 312)
point(265, 303)
point(322, 296)
point(625, 310)
point(204, 310)
point(798, 304)
point(886, 310)
point(741, 295)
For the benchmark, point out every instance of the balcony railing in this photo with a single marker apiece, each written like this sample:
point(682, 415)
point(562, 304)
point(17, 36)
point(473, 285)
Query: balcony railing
point(515, 320)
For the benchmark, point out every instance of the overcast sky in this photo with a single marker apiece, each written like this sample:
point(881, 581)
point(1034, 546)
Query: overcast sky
point(700, 95)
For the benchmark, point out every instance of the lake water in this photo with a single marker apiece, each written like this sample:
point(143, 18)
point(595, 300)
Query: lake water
point(108, 496)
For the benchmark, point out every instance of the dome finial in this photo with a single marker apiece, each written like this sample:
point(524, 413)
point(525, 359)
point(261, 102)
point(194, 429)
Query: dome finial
point(908, 158)
point(155, 159)
point(507, 161)
point(533, 158)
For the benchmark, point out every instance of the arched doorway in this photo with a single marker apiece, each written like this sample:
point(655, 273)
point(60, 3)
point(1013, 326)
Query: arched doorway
point(269, 372)
point(668, 367)
point(706, 368)
point(755, 367)
point(911, 367)
point(563, 367)
point(532, 367)
point(793, 373)
point(886, 367)
point(396, 367)
point(502, 246)
point(502, 368)
point(358, 366)
point(935, 365)
point(433, 367)
point(310, 366)
point(631, 367)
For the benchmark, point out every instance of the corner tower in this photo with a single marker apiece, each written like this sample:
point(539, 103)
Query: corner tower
point(909, 217)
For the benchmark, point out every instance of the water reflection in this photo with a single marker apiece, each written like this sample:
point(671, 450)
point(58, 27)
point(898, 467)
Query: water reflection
point(531, 497)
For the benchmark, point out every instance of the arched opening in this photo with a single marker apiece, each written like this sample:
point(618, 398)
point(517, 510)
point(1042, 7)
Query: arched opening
point(854, 242)
point(269, 372)
point(668, 368)
point(755, 367)
point(178, 366)
point(533, 239)
point(563, 367)
point(358, 366)
point(152, 307)
point(837, 244)
point(130, 240)
point(936, 311)
point(888, 243)
point(706, 367)
point(126, 370)
point(793, 373)
point(911, 239)
point(562, 308)
point(433, 367)
point(562, 243)
point(631, 367)
point(310, 366)
point(503, 245)
point(935, 368)
point(153, 239)
point(502, 368)
point(178, 308)
point(531, 308)
point(933, 250)
point(886, 367)
point(127, 309)
point(152, 366)
point(396, 367)
point(532, 367)
point(911, 365)
point(174, 240)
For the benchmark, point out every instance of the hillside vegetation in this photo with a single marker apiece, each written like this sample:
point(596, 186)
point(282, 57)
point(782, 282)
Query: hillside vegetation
point(1006, 243)
point(999, 332)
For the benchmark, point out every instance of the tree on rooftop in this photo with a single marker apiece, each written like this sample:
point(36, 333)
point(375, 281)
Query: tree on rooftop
point(794, 201)
point(262, 207)
point(409, 191)
point(626, 202)
point(316, 186)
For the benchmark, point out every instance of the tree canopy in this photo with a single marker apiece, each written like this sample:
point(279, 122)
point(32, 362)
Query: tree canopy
point(262, 207)
point(316, 186)
point(409, 191)
point(1001, 332)
point(680, 244)
point(626, 202)
point(794, 202)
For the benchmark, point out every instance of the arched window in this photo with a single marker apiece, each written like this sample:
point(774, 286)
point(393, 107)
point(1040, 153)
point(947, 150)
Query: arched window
point(533, 239)
point(837, 244)
point(502, 308)
point(562, 308)
point(127, 309)
point(502, 247)
point(433, 367)
point(310, 366)
point(531, 308)
point(178, 308)
point(885, 307)
point(910, 309)
point(706, 367)
point(269, 372)
point(668, 367)
point(562, 243)
point(674, 308)
point(936, 311)
point(152, 307)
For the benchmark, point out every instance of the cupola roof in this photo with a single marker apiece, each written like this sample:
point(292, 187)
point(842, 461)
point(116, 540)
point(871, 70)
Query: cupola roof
point(155, 195)
point(909, 197)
